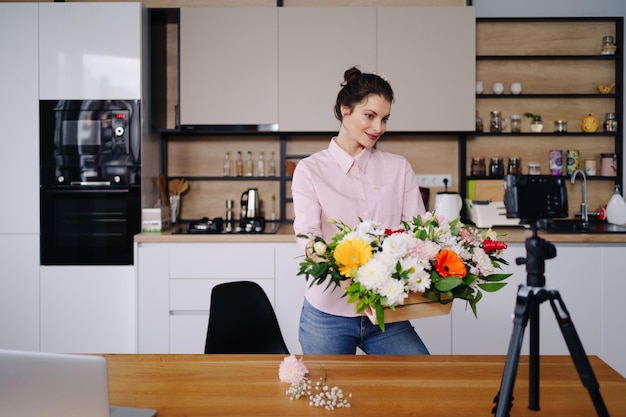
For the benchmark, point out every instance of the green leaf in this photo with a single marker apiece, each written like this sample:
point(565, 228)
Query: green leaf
point(492, 286)
point(447, 284)
point(380, 316)
point(496, 277)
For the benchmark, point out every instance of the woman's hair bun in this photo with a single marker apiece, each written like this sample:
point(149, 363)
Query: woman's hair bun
point(350, 75)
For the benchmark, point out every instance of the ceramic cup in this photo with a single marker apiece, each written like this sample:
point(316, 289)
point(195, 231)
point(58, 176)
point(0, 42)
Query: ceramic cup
point(479, 87)
point(498, 88)
point(516, 88)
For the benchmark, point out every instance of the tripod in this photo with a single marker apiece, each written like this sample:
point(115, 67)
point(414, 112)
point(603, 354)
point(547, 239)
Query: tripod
point(529, 297)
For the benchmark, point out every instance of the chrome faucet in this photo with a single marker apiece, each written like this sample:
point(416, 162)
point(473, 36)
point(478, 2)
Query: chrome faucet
point(583, 204)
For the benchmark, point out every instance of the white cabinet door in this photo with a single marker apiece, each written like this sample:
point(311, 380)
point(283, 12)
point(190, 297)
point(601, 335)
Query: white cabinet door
point(574, 273)
point(88, 309)
point(429, 56)
point(90, 51)
point(19, 118)
point(228, 66)
point(316, 46)
point(289, 293)
point(613, 308)
point(19, 291)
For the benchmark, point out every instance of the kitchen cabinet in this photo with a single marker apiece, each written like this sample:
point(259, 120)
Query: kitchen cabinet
point(87, 309)
point(19, 145)
point(229, 66)
point(580, 285)
point(316, 46)
point(175, 282)
point(425, 52)
point(90, 51)
point(428, 54)
point(559, 64)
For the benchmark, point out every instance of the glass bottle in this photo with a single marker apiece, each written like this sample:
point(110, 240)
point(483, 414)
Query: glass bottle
point(261, 165)
point(247, 167)
point(515, 166)
point(239, 165)
point(271, 166)
point(478, 167)
point(496, 169)
point(227, 165)
point(516, 123)
point(610, 123)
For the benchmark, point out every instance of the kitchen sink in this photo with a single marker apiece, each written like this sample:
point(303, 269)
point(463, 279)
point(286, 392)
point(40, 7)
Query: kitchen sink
point(576, 226)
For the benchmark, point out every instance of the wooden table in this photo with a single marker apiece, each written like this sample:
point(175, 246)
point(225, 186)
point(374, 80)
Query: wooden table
point(450, 386)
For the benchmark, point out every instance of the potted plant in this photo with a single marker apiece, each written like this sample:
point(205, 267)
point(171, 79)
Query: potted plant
point(536, 125)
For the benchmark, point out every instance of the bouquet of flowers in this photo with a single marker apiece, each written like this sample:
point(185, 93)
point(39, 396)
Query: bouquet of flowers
point(379, 268)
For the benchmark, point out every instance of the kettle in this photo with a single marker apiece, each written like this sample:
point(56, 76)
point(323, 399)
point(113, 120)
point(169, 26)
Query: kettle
point(250, 204)
point(448, 204)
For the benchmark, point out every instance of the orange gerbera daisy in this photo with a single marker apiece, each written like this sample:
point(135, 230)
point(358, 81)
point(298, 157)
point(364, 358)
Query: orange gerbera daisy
point(352, 254)
point(450, 264)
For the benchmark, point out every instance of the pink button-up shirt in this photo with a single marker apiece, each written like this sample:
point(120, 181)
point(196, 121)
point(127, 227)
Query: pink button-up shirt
point(331, 184)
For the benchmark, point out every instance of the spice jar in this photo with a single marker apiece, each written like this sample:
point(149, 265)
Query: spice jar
point(496, 168)
point(516, 123)
point(478, 167)
point(608, 45)
point(610, 122)
point(560, 126)
point(534, 168)
point(515, 166)
point(608, 166)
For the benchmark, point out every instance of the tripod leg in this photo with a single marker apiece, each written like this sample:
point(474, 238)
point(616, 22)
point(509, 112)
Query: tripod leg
point(504, 398)
point(577, 352)
point(533, 360)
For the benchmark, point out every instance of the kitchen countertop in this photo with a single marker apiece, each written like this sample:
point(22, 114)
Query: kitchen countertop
point(285, 234)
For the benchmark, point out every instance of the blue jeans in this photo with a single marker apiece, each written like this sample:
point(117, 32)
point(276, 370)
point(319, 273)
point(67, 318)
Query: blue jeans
point(322, 333)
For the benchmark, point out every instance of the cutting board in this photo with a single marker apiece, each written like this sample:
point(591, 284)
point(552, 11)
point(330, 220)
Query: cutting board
point(488, 190)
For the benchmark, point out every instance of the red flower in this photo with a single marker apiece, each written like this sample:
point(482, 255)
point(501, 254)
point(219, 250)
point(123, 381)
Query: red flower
point(390, 232)
point(493, 245)
point(449, 264)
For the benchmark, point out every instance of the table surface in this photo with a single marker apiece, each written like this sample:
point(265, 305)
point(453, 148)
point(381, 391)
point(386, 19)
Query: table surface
point(436, 385)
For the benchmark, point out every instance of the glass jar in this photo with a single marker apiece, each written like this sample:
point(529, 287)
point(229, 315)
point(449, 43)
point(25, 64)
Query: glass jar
point(479, 123)
point(515, 166)
point(496, 168)
point(536, 126)
point(610, 123)
point(478, 167)
point(560, 126)
point(608, 45)
point(534, 168)
point(498, 123)
point(516, 123)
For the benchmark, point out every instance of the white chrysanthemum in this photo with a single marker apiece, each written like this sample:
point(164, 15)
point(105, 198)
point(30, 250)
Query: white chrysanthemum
point(393, 289)
point(373, 274)
point(483, 263)
point(397, 245)
point(418, 279)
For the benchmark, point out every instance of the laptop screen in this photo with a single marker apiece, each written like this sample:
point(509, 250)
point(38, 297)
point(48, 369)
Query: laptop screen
point(49, 384)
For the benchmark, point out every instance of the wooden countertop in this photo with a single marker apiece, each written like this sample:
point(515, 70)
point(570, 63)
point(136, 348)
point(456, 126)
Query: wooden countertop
point(285, 234)
point(432, 386)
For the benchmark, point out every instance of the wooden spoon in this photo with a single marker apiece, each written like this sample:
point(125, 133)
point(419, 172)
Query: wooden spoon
point(161, 182)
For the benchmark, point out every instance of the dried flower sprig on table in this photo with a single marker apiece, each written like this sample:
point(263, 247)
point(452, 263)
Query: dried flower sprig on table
point(293, 371)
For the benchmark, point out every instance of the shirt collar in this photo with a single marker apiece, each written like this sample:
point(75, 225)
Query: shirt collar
point(345, 160)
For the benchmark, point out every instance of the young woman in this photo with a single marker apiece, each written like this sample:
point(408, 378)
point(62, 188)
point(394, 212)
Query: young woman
point(348, 181)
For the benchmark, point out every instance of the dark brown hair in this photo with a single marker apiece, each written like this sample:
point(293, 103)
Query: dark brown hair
point(357, 86)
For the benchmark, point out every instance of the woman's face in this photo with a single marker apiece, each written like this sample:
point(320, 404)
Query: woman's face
point(365, 124)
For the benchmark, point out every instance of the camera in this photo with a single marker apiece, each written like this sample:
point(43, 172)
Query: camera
point(535, 197)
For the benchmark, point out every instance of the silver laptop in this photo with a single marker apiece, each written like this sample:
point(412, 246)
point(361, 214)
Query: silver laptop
point(57, 385)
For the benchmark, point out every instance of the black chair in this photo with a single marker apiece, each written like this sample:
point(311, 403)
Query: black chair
point(242, 320)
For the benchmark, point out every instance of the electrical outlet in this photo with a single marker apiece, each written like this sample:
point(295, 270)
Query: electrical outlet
point(436, 180)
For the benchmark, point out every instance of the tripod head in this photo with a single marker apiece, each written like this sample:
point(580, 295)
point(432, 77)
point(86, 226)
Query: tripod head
point(537, 251)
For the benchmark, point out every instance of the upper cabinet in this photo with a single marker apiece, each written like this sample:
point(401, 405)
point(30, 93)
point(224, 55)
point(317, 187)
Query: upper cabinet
point(428, 54)
point(282, 67)
point(229, 66)
point(316, 46)
point(90, 51)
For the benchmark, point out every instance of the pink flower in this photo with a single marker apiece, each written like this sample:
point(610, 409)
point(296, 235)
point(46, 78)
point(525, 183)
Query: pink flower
point(292, 370)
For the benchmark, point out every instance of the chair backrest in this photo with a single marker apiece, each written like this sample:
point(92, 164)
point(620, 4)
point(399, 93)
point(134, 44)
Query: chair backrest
point(242, 320)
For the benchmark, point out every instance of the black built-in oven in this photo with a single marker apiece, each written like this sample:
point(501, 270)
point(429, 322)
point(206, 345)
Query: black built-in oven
point(90, 177)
